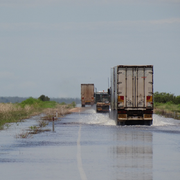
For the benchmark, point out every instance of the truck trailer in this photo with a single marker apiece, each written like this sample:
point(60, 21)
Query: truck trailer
point(102, 101)
point(87, 94)
point(132, 94)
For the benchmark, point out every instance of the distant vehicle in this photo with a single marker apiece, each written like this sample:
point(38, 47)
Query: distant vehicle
point(87, 94)
point(132, 94)
point(102, 101)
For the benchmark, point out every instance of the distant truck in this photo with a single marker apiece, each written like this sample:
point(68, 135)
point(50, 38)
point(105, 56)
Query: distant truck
point(132, 94)
point(102, 101)
point(87, 94)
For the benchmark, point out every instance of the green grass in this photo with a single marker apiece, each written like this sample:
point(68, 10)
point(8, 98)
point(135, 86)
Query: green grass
point(36, 103)
point(168, 106)
point(12, 116)
point(17, 112)
point(167, 109)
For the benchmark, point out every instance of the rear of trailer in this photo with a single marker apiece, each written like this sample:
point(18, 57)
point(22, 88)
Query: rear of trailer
point(87, 94)
point(132, 94)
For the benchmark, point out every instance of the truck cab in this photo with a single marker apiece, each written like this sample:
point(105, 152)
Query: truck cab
point(102, 101)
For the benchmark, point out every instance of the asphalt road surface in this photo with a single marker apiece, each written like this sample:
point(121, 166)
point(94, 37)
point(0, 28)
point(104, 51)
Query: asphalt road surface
point(89, 146)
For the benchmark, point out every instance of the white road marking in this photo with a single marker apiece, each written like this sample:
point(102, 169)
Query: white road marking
point(79, 160)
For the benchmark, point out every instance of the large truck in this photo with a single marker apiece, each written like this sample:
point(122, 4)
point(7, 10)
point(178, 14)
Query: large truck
point(132, 94)
point(87, 94)
point(102, 101)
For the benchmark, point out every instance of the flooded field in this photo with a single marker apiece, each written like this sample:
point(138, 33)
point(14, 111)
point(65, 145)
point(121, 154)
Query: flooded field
point(89, 146)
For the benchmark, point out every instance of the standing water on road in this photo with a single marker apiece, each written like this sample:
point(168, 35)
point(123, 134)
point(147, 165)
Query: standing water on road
point(89, 146)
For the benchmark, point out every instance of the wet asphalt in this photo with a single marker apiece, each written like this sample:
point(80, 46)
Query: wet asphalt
point(89, 146)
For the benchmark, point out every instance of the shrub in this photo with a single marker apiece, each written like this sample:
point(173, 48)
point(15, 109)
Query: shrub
point(166, 98)
point(44, 98)
point(29, 101)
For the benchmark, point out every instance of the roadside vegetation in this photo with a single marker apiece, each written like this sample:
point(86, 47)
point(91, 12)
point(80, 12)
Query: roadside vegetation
point(167, 104)
point(17, 112)
point(17, 99)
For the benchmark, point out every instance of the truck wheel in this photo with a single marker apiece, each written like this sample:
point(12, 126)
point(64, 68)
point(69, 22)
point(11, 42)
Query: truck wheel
point(122, 123)
point(150, 123)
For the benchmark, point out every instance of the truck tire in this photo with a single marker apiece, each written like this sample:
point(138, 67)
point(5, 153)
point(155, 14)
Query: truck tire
point(148, 123)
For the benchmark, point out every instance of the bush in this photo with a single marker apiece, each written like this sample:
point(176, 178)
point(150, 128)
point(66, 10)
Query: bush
point(29, 101)
point(72, 105)
point(177, 100)
point(63, 103)
point(44, 98)
point(166, 98)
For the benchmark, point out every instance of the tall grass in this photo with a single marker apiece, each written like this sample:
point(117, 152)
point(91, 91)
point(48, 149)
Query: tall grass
point(16, 112)
point(13, 113)
point(168, 106)
point(168, 109)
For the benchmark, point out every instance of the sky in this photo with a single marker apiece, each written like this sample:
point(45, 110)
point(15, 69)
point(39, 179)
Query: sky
point(51, 47)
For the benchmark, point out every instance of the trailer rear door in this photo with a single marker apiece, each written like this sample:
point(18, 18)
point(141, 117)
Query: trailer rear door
point(135, 86)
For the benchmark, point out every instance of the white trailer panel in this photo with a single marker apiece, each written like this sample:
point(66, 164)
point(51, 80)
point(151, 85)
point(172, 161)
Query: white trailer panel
point(132, 91)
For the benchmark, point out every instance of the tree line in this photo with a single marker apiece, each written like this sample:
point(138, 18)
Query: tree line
point(42, 97)
point(162, 97)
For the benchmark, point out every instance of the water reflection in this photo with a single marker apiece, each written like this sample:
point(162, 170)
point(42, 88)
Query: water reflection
point(132, 155)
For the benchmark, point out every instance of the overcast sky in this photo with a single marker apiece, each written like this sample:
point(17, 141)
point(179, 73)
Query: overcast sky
point(51, 47)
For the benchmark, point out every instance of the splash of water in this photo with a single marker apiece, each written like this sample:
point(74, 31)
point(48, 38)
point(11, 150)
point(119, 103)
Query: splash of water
point(162, 121)
point(91, 117)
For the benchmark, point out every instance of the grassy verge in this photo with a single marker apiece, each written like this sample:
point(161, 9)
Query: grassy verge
point(17, 112)
point(167, 109)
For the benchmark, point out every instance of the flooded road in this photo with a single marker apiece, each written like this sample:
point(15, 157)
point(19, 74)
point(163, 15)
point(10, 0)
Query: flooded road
point(89, 146)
